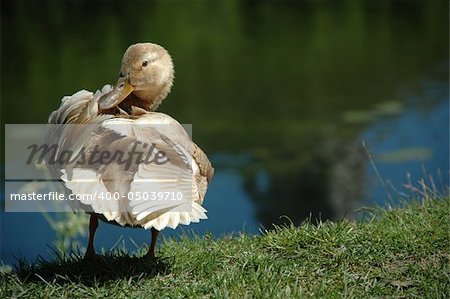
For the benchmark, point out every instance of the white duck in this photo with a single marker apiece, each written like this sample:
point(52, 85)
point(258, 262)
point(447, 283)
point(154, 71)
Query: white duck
point(116, 119)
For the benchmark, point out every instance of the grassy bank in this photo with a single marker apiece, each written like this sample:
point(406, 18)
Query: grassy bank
point(397, 253)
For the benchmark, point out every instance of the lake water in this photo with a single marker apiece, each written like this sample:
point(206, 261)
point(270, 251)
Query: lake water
point(281, 95)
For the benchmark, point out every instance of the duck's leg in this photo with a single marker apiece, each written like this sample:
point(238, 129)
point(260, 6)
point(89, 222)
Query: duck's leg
point(93, 224)
point(151, 250)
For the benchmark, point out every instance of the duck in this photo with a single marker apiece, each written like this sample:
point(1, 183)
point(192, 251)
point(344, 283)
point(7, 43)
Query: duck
point(107, 134)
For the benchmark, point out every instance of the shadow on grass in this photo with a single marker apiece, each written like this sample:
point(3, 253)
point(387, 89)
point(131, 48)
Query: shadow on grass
point(102, 269)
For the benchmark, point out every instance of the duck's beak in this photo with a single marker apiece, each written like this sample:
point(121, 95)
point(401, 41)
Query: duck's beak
point(119, 93)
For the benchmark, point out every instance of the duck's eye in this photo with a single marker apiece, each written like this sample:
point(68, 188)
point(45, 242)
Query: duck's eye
point(144, 63)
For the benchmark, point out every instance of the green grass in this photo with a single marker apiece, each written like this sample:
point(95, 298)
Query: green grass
point(399, 253)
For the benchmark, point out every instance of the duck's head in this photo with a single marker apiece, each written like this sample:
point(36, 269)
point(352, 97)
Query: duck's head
point(146, 76)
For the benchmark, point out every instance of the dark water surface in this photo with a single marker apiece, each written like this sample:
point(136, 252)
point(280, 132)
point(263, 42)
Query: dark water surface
point(281, 96)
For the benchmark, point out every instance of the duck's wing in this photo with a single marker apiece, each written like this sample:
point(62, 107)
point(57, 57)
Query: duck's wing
point(70, 126)
point(205, 173)
point(79, 108)
point(171, 189)
point(75, 127)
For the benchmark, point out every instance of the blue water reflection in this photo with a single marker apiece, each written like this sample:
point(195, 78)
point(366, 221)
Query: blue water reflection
point(415, 143)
